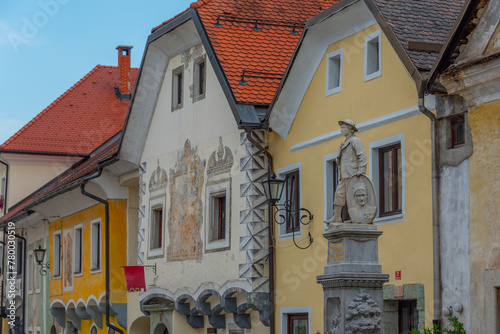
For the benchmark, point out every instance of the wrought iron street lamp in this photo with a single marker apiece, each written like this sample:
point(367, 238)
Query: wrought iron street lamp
point(39, 256)
point(273, 189)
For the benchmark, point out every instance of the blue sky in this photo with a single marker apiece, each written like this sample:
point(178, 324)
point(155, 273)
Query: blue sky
point(46, 46)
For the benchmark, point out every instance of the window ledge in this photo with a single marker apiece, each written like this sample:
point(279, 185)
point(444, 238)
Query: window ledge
point(289, 235)
point(389, 219)
point(95, 271)
point(78, 274)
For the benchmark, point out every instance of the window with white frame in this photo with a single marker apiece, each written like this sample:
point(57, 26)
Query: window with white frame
point(387, 170)
point(57, 246)
point(218, 214)
point(95, 245)
point(3, 186)
point(31, 265)
point(78, 250)
point(199, 79)
point(156, 227)
point(334, 72)
point(292, 198)
point(373, 55)
point(295, 320)
point(177, 87)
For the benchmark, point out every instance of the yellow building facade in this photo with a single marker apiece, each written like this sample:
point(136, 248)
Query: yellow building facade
point(384, 105)
point(78, 284)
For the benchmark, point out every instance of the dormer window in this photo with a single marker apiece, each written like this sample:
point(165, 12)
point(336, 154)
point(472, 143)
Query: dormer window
point(177, 88)
point(373, 55)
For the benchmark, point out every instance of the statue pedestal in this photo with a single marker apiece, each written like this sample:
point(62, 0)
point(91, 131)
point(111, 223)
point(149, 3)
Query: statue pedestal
point(353, 280)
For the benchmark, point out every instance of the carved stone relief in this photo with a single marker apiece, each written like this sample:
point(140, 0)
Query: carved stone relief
point(363, 315)
point(185, 212)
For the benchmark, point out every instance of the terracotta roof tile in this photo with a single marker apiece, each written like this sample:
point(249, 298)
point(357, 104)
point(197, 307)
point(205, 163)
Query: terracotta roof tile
point(239, 48)
point(80, 120)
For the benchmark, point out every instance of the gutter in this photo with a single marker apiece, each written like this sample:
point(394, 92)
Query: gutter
point(436, 226)
point(100, 167)
point(251, 139)
point(6, 189)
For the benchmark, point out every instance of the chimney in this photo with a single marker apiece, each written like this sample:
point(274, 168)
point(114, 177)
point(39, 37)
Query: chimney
point(124, 91)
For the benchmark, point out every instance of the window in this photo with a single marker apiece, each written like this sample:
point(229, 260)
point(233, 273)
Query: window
point(407, 316)
point(93, 329)
point(19, 258)
point(177, 88)
point(291, 196)
point(156, 227)
point(155, 239)
point(36, 275)
point(30, 273)
point(333, 72)
point(77, 266)
point(218, 208)
point(199, 79)
point(387, 171)
point(390, 178)
point(232, 328)
point(373, 55)
point(295, 320)
point(457, 125)
point(57, 254)
point(95, 245)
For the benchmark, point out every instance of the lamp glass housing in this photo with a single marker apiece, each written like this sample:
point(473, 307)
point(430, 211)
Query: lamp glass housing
point(273, 188)
point(39, 254)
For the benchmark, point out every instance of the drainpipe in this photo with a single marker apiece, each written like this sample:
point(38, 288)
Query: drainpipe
point(251, 139)
point(6, 188)
point(24, 279)
point(100, 167)
point(436, 229)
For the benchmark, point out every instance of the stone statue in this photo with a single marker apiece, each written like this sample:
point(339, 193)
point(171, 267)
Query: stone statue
point(351, 160)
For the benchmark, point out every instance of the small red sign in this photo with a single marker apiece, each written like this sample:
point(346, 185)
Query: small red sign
point(398, 274)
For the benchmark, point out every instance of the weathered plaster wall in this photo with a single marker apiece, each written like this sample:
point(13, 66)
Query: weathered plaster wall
point(485, 210)
point(455, 243)
point(406, 245)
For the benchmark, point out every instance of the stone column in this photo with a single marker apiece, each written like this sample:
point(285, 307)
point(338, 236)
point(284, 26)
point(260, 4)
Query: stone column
point(353, 280)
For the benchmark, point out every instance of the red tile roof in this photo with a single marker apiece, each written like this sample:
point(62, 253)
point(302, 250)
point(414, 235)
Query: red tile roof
point(264, 54)
point(80, 120)
point(64, 182)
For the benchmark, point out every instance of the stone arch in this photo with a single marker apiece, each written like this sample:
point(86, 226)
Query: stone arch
point(161, 329)
point(139, 326)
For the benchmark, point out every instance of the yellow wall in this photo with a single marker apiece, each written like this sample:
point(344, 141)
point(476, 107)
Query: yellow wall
point(94, 284)
point(484, 122)
point(406, 245)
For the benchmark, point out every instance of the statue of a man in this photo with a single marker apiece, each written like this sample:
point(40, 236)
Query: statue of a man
point(362, 212)
point(351, 160)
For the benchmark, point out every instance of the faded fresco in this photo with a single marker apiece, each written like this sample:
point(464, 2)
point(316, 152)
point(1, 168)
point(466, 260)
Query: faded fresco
point(220, 161)
point(68, 259)
point(158, 179)
point(185, 213)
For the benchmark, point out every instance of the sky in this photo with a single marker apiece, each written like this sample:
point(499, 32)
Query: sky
point(46, 46)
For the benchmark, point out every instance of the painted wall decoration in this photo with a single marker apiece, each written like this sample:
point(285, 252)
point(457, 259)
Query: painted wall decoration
point(220, 161)
point(158, 179)
point(68, 259)
point(186, 209)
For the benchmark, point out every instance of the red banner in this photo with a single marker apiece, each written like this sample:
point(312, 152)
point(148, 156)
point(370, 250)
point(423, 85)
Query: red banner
point(135, 278)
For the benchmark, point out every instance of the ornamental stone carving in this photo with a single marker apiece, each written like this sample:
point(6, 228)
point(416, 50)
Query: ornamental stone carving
point(158, 179)
point(220, 161)
point(363, 315)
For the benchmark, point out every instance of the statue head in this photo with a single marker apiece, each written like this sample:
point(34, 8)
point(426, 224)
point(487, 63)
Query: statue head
point(360, 193)
point(347, 126)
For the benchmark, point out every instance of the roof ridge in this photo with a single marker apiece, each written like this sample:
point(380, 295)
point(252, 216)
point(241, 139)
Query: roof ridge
point(49, 107)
